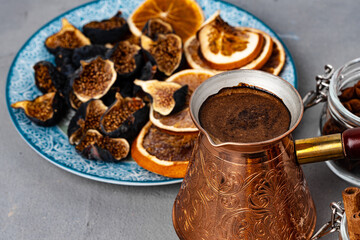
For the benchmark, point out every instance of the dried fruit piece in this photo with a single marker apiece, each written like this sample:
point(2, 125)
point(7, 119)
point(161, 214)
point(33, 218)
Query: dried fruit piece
point(108, 30)
point(181, 121)
point(190, 77)
point(94, 80)
point(87, 117)
point(353, 105)
point(163, 153)
point(185, 16)
point(155, 26)
point(166, 50)
point(110, 98)
point(276, 61)
point(347, 94)
point(166, 97)
point(69, 37)
point(178, 122)
point(225, 47)
point(124, 118)
point(127, 59)
point(148, 71)
point(133, 39)
point(331, 126)
point(196, 60)
point(95, 146)
point(45, 110)
point(194, 57)
point(68, 60)
point(63, 61)
point(88, 52)
point(265, 53)
point(48, 78)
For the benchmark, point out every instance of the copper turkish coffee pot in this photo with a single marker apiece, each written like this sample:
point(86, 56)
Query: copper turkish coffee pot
point(253, 190)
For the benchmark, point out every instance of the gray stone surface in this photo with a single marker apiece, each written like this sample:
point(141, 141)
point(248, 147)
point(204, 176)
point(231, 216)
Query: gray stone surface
point(40, 201)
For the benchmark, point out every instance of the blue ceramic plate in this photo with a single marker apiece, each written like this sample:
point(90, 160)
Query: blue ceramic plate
point(52, 143)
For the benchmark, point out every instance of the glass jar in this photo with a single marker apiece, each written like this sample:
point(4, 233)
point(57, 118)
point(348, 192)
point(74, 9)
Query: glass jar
point(343, 232)
point(335, 117)
point(333, 88)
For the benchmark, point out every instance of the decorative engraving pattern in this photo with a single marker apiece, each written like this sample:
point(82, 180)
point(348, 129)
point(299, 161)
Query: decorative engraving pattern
point(52, 143)
point(223, 200)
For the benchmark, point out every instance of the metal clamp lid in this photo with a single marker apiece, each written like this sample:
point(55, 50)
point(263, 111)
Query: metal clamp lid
point(322, 86)
point(333, 225)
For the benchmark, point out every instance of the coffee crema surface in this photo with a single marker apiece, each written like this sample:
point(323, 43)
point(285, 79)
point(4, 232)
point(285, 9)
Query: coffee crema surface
point(244, 114)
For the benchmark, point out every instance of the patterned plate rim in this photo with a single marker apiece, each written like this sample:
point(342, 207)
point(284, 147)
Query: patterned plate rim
point(87, 175)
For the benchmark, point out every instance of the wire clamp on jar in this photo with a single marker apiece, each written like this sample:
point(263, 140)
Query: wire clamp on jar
point(337, 214)
point(322, 86)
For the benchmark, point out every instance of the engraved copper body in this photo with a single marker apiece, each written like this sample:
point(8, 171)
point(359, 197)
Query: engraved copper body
point(245, 191)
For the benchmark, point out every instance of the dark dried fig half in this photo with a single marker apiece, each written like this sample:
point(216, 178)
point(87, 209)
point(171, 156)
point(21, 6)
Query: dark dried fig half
point(166, 97)
point(108, 30)
point(95, 146)
point(68, 60)
point(69, 37)
point(45, 110)
point(48, 78)
point(127, 59)
point(148, 71)
point(125, 117)
point(88, 52)
point(156, 26)
point(94, 80)
point(63, 61)
point(166, 51)
point(87, 117)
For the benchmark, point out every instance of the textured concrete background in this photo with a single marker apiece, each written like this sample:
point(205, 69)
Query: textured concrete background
point(40, 201)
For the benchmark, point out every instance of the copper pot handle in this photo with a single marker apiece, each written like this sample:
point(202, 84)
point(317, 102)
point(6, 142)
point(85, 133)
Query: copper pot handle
point(351, 143)
point(329, 147)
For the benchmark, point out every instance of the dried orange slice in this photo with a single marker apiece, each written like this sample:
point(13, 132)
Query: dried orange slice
point(181, 121)
point(194, 57)
point(191, 77)
point(163, 153)
point(266, 50)
point(196, 61)
point(185, 16)
point(178, 122)
point(276, 61)
point(225, 47)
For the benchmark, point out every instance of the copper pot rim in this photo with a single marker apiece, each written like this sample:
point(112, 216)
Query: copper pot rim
point(251, 144)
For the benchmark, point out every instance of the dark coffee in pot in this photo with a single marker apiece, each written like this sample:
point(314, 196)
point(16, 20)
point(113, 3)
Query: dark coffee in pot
point(244, 114)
